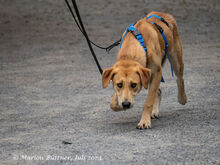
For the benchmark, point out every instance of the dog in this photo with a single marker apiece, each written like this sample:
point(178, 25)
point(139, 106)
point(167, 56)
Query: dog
point(134, 69)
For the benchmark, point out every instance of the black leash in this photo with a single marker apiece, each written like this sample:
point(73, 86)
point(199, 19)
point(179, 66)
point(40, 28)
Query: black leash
point(83, 31)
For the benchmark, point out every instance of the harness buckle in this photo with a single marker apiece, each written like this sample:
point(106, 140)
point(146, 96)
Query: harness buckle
point(136, 32)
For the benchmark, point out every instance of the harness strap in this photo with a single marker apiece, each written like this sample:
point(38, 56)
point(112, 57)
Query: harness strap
point(165, 41)
point(125, 34)
point(137, 35)
point(160, 18)
point(164, 38)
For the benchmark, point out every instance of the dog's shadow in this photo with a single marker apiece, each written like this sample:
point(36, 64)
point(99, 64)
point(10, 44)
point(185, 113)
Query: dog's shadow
point(172, 119)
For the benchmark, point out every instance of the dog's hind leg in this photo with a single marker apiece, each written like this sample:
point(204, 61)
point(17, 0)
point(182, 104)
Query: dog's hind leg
point(178, 66)
point(156, 106)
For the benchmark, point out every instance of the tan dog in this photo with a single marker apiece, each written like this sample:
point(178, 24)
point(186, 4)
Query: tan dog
point(133, 69)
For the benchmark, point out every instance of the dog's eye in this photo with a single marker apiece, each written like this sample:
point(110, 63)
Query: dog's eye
point(119, 85)
point(133, 85)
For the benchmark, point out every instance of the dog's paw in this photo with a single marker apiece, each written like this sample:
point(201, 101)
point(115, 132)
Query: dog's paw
point(115, 107)
point(154, 115)
point(144, 124)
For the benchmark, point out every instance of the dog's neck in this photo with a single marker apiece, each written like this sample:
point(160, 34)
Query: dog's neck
point(132, 50)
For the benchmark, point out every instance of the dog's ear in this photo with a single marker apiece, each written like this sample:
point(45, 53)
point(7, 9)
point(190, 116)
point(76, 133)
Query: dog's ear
point(145, 74)
point(106, 77)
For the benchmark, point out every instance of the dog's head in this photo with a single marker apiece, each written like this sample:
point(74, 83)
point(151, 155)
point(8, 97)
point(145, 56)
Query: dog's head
point(128, 77)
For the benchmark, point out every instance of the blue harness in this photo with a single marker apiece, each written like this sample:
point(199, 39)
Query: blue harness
point(139, 37)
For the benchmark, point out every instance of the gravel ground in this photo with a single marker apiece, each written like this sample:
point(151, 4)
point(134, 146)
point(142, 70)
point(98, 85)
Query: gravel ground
point(50, 88)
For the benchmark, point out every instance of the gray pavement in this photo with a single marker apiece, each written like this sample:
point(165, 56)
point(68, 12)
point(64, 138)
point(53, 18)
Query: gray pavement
point(50, 88)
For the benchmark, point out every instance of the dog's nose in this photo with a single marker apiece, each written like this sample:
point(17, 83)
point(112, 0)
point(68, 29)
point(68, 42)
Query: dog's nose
point(126, 104)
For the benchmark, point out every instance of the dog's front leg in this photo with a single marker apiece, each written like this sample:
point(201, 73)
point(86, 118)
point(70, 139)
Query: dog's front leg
point(114, 103)
point(148, 106)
